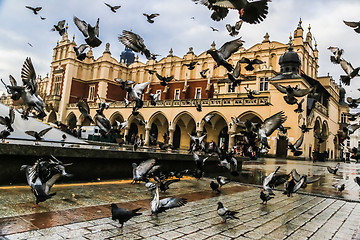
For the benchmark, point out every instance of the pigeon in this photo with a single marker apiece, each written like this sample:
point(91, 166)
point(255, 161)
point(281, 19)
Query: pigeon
point(304, 128)
point(207, 118)
point(353, 103)
point(225, 52)
point(30, 44)
point(124, 84)
point(357, 180)
point(299, 106)
point(38, 135)
point(34, 9)
point(164, 185)
point(236, 77)
point(112, 8)
point(350, 129)
point(90, 33)
point(154, 98)
point(127, 102)
point(42, 18)
point(79, 51)
point(215, 187)
point(337, 52)
point(197, 142)
point(250, 63)
point(321, 137)
point(295, 148)
point(134, 42)
point(153, 56)
point(214, 29)
point(251, 93)
point(265, 197)
point(292, 186)
point(14, 90)
point(339, 187)
point(198, 106)
point(307, 180)
point(251, 12)
point(333, 170)
point(159, 206)
point(4, 134)
point(164, 80)
point(84, 109)
point(203, 73)
point(355, 25)
point(123, 215)
point(151, 17)
point(60, 27)
point(191, 65)
point(234, 30)
point(8, 120)
point(121, 125)
point(349, 70)
point(291, 92)
point(222, 180)
point(274, 180)
point(103, 123)
point(145, 168)
point(150, 71)
point(224, 213)
point(352, 116)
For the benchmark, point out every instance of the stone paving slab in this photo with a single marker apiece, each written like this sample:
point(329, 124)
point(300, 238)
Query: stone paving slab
point(297, 217)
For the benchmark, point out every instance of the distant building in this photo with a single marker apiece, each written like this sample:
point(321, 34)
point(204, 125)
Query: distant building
point(175, 114)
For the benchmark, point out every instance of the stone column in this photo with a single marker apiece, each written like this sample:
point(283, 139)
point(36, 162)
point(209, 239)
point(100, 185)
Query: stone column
point(126, 132)
point(171, 135)
point(147, 136)
point(231, 140)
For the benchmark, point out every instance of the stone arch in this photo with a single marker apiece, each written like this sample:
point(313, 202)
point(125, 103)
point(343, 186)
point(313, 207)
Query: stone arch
point(71, 120)
point(324, 132)
point(217, 129)
point(140, 123)
point(186, 124)
point(116, 116)
point(52, 118)
point(251, 115)
point(159, 125)
point(317, 131)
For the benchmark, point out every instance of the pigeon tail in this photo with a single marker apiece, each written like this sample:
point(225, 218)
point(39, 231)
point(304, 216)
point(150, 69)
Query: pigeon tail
point(135, 212)
point(93, 42)
point(345, 80)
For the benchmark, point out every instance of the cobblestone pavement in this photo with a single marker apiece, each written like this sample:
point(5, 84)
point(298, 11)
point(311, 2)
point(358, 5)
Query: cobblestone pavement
point(298, 217)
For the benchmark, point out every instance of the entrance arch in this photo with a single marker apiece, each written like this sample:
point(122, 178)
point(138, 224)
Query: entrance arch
point(52, 117)
point(159, 125)
point(186, 123)
point(116, 116)
point(71, 120)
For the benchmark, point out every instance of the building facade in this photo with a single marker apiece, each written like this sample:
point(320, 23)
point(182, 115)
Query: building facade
point(175, 112)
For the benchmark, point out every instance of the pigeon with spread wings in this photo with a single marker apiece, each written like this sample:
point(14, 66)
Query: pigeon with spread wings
point(90, 33)
point(134, 42)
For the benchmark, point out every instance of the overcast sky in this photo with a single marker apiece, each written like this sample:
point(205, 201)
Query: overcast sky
point(174, 28)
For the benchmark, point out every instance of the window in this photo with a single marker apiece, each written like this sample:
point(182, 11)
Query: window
point(348, 143)
point(57, 85)
point(198, 93)
point(231, 89)
point(91, 93)
point(264, 84)
point(177, 94)
point(343, 118)
point(158, 92)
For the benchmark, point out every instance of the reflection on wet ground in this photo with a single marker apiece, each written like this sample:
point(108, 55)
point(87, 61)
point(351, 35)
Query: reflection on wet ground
point(254, 171)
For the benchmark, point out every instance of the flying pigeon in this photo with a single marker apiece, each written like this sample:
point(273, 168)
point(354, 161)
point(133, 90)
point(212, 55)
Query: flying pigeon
point(60, 27)
point(215, 187)
point(141, 172)
point(225, 52)
point(38, 135)
point(291, 92)
point(295, 148)
point(250, 63)
point(350, 129)
point(84, 109)
point(113, 8)
point(299, 106)
point(121, 125)
point(292, 186)
point(159, 206)
point(8, 120)
point(151, 17)
point(222, 180)
point(127, 102)
point(134, 42)
point(250, 12)
point(203, 73)
point(304, 128)
point(353, 102)
point(90, 33)
point(164, 80)
point(214, 29)
point(355, 25)
point(234, 30)
point(191, 65)
point(337, 52)
point(307, 180)
point(164, 185)
point(80, 51)
point(150, 71)
point(4, 134)
point(34, 9)
point(333, 170)
point(251, 93)
point(265, 197)
point(122, 214)
point(349, 70)
point(198, 106)
point(154, 98)
point(42, 18)
point(274, 180)
point(207, 118)
point(225, 213)
point(103, 123)
point(352, 116)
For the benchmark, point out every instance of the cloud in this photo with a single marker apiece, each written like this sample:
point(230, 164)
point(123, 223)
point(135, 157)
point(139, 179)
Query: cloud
point(174, 29)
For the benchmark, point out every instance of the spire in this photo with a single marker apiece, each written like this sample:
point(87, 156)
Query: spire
point(266, 38)
point(190, 50)
point(290, 48)
point(299, 31)
point(213, 45)
point(90, 53)
point(299, 25)
point(107, 48)
point(309, 36)
point(170, 52)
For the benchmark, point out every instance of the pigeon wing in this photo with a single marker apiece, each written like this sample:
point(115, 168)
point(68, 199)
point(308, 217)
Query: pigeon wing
point(43, 132)
point(230, 47)
point(144, 167)
point(298, 142)
point(28, 75)
point(272, 123)
point(238, 24)
point(255, 12)
point(31, 133)
point(228, 27)
point(346, 66)
point(171, 202)
point(237, 69)
point(352, 24)
point(279, 87)
point(302, 92)
point(140, 87)
point(82, 26)
point(12, 81)
point(83, 107)
point(11, 115)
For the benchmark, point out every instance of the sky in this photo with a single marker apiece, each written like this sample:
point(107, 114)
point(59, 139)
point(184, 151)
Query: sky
point(174, 29)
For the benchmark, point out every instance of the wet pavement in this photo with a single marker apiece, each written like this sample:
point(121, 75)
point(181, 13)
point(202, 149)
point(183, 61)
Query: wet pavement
point(81, 211)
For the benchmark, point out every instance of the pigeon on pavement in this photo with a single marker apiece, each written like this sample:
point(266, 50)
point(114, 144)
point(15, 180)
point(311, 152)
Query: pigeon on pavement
point(225, 213)
point(122, 214)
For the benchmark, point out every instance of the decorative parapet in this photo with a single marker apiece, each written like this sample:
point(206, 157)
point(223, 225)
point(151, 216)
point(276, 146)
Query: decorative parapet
point(322, 109)
point(212, 102)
